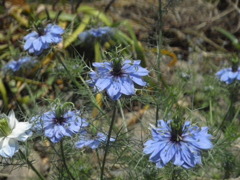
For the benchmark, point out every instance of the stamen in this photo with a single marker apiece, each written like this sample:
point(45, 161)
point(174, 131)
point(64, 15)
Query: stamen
point(59, 120)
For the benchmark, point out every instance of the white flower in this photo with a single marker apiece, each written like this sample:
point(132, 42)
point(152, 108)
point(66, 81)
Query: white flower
point(12, 131)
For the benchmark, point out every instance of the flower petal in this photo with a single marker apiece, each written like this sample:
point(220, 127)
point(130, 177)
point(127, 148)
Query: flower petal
point(37, 44)
point(19, 131)
point(138, 80)
point(8, 147)
point(103, 83)
point(12, 119)
point(127, 86)
point(113, 90)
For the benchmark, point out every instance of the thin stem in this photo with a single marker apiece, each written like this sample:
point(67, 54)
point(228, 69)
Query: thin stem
point(98, 159)
point(31, 165)
point(78, 85)
point(157, 110)
point(108, 139)
point(109, 5)
point(123, 117)
point(66, 69)
point(160, 26)
point(64, 161)
point(229, 116)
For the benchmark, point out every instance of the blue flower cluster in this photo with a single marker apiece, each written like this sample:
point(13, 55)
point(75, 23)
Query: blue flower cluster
point(102, 35)
point(228, 76)
point(183, 149)
point(14, 66)
point(118, 78)
point(92, 143)
point(56, 127)
point(36, 42)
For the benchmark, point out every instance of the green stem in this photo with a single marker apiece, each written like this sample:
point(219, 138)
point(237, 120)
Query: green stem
point(160, 26)
point(108, 139)
point(78, 85)
point(173, 175)
point(123, 117)
point(31, 165)
point(229, 117)
point(98, 159)
point(157, 110)
point(64, 160)
point(66, 69)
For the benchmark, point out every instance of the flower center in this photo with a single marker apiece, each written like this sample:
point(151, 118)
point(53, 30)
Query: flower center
point(117, 68)
point(116, 72)
point(59, 120)
point(5, 130)
point(176, 138)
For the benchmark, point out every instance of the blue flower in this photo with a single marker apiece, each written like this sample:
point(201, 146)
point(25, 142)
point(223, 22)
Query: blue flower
point(102, 34)
point(14, 66)
point(118, 78)
point(93, 143)
point(228, 76)
point(36, 42)
point(182, 149)
point(56, 127)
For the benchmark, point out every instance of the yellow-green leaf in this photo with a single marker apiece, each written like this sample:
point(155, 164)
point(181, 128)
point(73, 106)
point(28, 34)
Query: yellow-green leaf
point(75, 34)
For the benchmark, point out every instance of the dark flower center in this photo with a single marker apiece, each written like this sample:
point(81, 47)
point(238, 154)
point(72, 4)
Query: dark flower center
point(40, 30)
point(116, 72)
point(176, 137)
point(59, 120)
point(117, 68)
point(234, 68)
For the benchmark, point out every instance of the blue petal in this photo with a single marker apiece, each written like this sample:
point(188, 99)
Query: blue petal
point(113, 90)
point(232, 75)
point(37, 44)
point(56, 30)
point(32, 34)
point(28, 43)
point(127, 87)
point(141, 71)
point(158, 148)
point(138, 80)
point(238, 77)
point(168, 152)
point(164, 125)
point(95, 144)
point(224, 77)
point(103, 83)
point(187, 155)
point(48, 38)
point(177, 159)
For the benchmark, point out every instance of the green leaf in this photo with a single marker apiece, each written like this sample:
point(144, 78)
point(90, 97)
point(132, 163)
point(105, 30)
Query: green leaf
point(98, 54)
point(93, 12)
point(63, 16)
point(4, 93)
point(230, 36)
point(75, 34)
point(137, 46)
